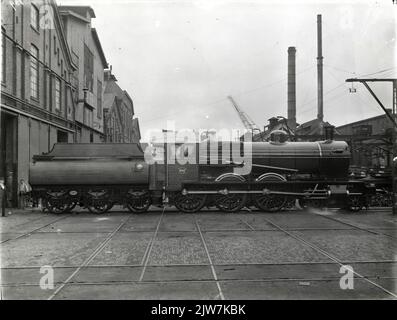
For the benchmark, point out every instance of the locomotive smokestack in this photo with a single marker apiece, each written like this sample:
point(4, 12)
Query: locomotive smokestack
point(320, 112)
point(329, 133)
point(291, 88)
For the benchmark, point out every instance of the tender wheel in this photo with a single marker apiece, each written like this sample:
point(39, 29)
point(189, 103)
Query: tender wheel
point(270, 202)
point(355, 203)
point(139, 203)
point(98, 202)
point(190, 203)
point(71, 206)
point(231, 202)
point(57, 202)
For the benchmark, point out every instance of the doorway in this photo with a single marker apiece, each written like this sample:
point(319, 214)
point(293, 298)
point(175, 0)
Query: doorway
point(9, 157)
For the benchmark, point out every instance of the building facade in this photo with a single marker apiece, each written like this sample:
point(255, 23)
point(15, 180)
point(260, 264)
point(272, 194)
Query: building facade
point(89, 57)
point(120, 124)
point(370, 141)
point(37, 88)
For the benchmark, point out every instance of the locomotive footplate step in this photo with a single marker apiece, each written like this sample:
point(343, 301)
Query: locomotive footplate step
point(165, 254)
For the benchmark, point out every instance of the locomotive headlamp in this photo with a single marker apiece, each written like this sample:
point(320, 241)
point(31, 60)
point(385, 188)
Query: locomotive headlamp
point(184, 192)
point(73, 192)
point(139, 166)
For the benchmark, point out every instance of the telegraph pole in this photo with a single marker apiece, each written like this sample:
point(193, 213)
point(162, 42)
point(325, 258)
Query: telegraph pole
point(392, 117)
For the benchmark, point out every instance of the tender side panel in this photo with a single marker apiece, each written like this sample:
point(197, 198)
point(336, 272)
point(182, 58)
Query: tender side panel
point(89, 172)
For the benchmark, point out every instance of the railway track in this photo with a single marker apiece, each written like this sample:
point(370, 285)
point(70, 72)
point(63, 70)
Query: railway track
point(28, 233)
point(214, 278)
point(327, 254)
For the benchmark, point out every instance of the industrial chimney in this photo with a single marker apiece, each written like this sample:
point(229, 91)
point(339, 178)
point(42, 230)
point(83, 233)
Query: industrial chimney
point(320, 110)
point(291, 88)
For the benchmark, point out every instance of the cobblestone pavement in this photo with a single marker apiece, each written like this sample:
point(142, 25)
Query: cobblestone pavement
point(165, 254)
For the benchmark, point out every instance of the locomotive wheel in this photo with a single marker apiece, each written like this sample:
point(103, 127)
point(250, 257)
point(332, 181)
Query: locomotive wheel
point(231, 202)
point(139, 204)
point(311, 203)
point(270, 202)
point(190, 203)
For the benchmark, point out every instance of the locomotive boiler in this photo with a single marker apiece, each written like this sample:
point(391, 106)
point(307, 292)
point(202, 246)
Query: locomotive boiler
point(226, 175)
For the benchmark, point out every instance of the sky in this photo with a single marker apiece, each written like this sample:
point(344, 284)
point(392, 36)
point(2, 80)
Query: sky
point(179, 60)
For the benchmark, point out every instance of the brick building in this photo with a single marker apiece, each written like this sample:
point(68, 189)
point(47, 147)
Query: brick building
point(37, 87)
point(89, 57)
point(120, 124)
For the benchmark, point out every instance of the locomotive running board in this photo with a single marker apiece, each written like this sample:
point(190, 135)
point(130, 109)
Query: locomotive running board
point(248, 192)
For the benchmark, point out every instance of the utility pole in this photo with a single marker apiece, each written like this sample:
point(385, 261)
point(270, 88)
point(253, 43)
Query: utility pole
point(392, 117)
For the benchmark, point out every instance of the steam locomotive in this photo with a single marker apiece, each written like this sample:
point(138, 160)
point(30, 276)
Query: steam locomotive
point(196, 175)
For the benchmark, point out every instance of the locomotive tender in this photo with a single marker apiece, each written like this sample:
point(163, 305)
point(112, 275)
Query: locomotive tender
point(98, 176)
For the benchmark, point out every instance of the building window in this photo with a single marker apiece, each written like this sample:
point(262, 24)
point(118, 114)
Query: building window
point(55, 45)
point(34, 17)
point(99, 99)
point(57, 94)
point(3, 58)
point(69, 97)
point(88, 69)
point(62, 136)
point(34, 72)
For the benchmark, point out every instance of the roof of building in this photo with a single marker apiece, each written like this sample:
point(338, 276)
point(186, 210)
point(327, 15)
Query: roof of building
point(108, 100)
point(135, 124)
point(80, 10)
point(62, 37)
point(312, 127)
point(362, 121)
point(99, 46)
point(112, 89)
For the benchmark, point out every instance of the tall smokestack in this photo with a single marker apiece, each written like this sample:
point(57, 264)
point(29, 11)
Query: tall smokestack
point(291, 88)
point(320, 111)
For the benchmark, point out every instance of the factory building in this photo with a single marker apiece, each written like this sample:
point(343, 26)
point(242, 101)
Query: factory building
point(37, 88)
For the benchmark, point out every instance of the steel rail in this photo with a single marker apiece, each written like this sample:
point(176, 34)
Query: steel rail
point(373, 231)
point(328, 255)
point(210, 260)
point(146, 256)
point(85, 263)
point(34, 230)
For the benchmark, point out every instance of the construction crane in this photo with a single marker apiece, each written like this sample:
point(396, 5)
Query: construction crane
point(245, 119)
